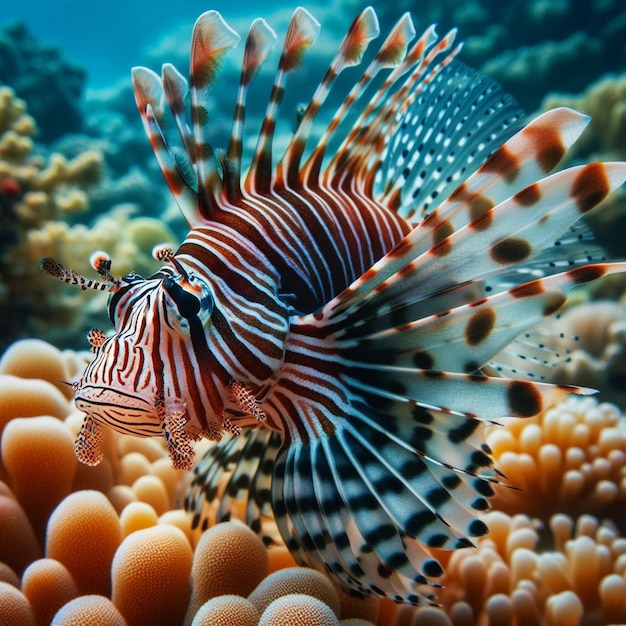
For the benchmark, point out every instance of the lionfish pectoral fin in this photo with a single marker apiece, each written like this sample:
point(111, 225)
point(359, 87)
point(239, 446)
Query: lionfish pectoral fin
point(235, 468)
point(88, 444)
point(177, 438)
point(383, 462)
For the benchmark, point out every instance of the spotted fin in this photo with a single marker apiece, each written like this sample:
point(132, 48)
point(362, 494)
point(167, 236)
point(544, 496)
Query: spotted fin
point(456, 122)
point(387, 456)
point(385, 461)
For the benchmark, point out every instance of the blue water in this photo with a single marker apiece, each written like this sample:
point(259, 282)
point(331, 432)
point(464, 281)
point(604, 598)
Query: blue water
point(107, 38)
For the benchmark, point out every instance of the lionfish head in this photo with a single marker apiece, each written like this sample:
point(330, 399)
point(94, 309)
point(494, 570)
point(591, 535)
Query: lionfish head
point(124, 387)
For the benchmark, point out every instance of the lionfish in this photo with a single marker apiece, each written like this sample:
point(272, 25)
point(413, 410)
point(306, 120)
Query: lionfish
point(351, 316)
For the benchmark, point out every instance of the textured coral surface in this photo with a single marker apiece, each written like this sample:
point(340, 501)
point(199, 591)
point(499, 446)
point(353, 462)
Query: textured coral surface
point(111, 545)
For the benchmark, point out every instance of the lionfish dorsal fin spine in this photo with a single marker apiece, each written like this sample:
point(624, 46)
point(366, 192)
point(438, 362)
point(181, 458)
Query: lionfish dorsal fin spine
point(150, 99)
point(260, 41)
point(358, 139)
point(391, 54)
point(176, 89)
point(363, 30)
point(387, 120)
point(212, 38)
point(301, 35)
point(509, 170)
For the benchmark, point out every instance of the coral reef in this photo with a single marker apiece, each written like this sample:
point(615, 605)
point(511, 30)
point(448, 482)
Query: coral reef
point(598, 357)
point(38, 199)
point(605, 101)
point(50, 85)
point(110, 545)
point(571, 459)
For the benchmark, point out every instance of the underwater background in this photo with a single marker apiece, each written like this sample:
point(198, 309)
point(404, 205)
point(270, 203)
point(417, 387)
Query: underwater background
point(77, 174)
point(69, 62)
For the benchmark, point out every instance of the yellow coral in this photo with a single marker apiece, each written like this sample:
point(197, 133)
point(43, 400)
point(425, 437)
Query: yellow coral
point(570, 459)
point(13, 113)
point(605, 102)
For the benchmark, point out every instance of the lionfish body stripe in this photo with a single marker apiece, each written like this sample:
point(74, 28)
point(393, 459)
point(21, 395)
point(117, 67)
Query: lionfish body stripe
point(347, 316)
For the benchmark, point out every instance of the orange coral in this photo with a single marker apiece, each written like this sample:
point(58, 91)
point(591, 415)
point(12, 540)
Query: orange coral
point(14, 607)
point(29, 398)
point(298, 609)
point(226, 611)
point(34, 358)
point(91, 610)
point(18, 544)
point(295, 580)
point(38, 453)
point(48, 585)
point(229, 559)
point(135, 516)
point(570, 459)
point(506, 580)
point(150, 574)
point(83, 534)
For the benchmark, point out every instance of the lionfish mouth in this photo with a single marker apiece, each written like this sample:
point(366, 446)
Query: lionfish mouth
point(117, 409)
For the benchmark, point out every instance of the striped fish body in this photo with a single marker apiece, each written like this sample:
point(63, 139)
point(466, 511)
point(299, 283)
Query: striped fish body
point(352, 316)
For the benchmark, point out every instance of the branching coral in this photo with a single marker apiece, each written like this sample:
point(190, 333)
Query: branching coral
point(605, 101)
point(37, 196)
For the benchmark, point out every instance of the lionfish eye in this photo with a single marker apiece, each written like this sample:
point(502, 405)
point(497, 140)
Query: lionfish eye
point(188, 305)
point(189, 295)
